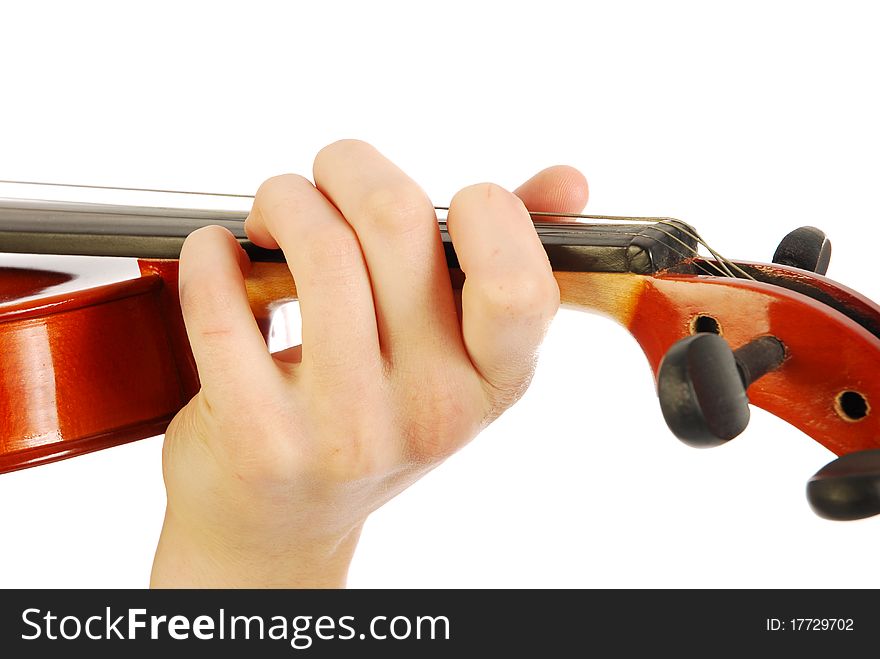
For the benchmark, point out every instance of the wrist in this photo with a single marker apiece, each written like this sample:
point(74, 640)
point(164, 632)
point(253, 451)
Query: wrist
point(187, 559)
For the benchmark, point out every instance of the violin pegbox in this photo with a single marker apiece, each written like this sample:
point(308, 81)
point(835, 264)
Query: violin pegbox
point(703, 383)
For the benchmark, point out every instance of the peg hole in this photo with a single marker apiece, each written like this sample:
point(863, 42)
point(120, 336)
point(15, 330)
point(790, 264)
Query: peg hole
point(851, 406)
point(703, 323)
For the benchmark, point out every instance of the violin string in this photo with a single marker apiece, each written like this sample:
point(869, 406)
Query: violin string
point(722, 264)
point(722, 261)
point(725, 262)
point(125, 189)
point(670, 221)
point(691, 252)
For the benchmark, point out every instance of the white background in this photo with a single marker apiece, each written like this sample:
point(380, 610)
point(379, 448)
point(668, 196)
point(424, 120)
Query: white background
point(745, 119)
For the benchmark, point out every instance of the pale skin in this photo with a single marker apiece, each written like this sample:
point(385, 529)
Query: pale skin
point(273, 467)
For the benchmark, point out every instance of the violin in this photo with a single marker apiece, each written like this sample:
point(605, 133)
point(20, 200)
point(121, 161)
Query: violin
point(87, 367)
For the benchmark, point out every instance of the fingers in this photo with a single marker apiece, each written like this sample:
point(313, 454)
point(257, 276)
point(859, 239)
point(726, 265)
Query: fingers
point(398, 232)
point(219, 322)
point(510, 295)
point(559, 189)
point(336, 302)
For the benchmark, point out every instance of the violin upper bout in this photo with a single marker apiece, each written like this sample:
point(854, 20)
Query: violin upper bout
point(19, 283)
point(83, 370)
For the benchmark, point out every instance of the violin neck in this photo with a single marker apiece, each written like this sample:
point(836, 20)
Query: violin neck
point(55, 227)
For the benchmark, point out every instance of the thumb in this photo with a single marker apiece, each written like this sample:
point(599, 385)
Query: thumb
point(228, 347)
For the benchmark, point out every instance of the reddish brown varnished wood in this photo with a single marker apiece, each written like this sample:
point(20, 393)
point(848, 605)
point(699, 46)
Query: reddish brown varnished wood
point(84, 370)
point(172, 319)
point(18, 283)
point(827, 353)
point(88, 369)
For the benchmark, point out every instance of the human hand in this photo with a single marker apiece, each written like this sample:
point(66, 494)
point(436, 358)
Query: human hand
point(273, 467)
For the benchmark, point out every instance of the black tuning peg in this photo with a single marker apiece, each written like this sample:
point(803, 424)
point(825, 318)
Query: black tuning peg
point(702, 385)
point(848, 487)
point(806, 248)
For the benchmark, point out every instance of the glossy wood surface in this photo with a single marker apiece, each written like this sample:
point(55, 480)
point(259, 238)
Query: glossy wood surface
point(90, 369)
point(85, 370)
point(827, 353)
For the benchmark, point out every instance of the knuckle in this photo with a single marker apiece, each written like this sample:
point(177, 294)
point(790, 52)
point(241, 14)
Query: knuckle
point(548, 293)
point(428, 442)
point(264, 465)
point(332, 377)
point(201, 291)
point(425, 445)
point(354, 448)
point(396, 209)
point(282, 196)
point(353, 458)
point(332, 247)
point(526, 294)
point(206, 299)
point(259, 448)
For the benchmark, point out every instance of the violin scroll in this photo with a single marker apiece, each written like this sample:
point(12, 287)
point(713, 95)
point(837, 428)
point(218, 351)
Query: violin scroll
point(702, 386)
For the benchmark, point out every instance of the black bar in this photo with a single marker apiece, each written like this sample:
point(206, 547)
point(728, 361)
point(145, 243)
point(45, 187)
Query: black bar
point(449, 622)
